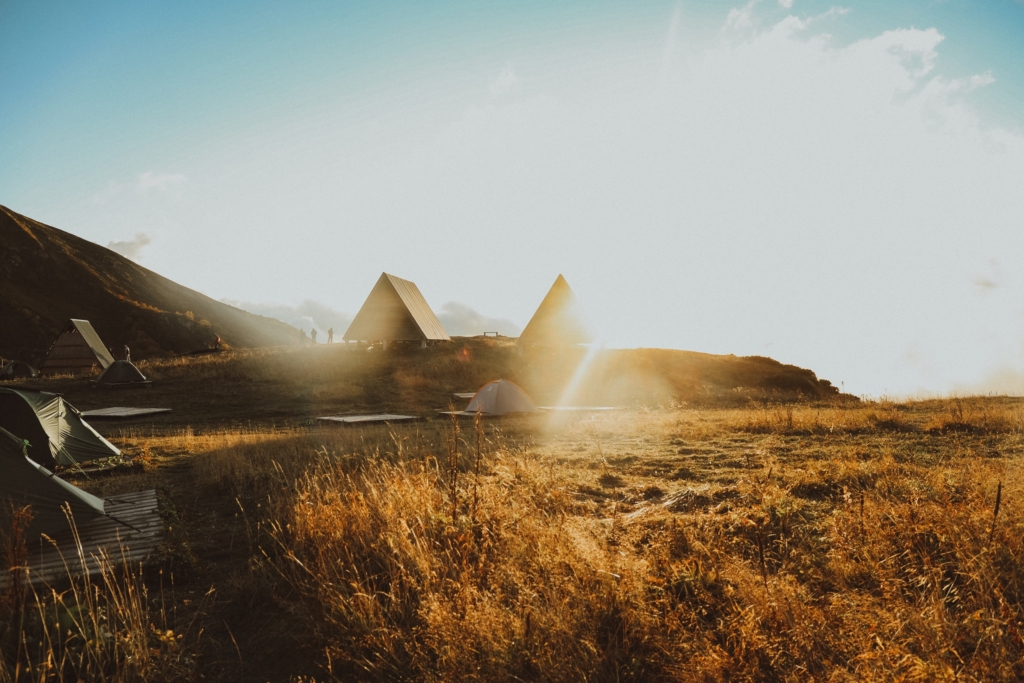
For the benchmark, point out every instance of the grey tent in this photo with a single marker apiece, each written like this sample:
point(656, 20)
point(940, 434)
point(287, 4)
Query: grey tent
point(23, 482)
point(56, 432)
point(122, 373)
point(396, 311)
point(558, 320)
point(78, 349)
point(501, 397)
point(16, 368)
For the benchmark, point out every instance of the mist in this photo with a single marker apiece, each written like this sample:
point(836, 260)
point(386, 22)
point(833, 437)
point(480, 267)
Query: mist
point(307, 316)
point(132, 248)
point(460, 320)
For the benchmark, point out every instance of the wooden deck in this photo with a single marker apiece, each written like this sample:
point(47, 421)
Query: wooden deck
point(122, 412)
point(132, 532)
point(361, 419)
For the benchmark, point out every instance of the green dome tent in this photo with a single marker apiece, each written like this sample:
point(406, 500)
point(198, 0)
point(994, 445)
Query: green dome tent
point(56, 432)
point(121, 373)
point(23, 482)
point(501, 397)
point(16, 368)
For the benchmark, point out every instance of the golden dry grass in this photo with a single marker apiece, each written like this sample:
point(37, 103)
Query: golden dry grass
point(825, 543)
point(796, 542)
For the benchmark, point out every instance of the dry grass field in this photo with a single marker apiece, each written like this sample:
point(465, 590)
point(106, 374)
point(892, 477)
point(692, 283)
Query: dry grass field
point(815, 540)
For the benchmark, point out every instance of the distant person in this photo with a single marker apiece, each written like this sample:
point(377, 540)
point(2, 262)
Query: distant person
point(127, 353)
point(330, 335)
point(216, 342)
point(312, 333)
point(302, 336)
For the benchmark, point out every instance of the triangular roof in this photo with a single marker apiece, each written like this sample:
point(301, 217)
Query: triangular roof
point(77, 347)
point(55, 430)
point(501, 397)
point(23, 482)
point(395, 311)
point(558, 320)
point(122, 372)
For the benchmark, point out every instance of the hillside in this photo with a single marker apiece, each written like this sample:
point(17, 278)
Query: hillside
point(289, 386)
point(48, 276)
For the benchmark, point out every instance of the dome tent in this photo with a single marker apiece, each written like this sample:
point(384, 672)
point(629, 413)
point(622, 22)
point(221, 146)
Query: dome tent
point(23, 482)
point(501, 397)
point(17, 368)
point(56, 432)
point(121, 372)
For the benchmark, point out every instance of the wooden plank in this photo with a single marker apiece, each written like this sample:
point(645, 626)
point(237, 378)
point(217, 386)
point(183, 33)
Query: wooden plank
point(464, 394)
point(582, 409)
point(359, 419)
point(121, 411)
point(131, 532)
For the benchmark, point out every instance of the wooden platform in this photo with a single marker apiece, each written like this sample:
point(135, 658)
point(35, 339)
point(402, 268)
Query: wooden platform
point(362, 419)
point(571, 409)
point(133, 531)
point(121, 412)
point(489, 416)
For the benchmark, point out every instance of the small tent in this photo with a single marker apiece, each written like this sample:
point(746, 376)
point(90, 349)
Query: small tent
point(56, 432)
point(17, 369)
point(558, 320)
point(122, 373)
point(501, 397)
point(23, 482)
point(77, 350)
point(395, 311)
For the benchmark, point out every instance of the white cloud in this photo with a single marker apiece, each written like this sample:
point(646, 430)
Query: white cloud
point(143, 184)
point(131, 248)
point(506, 82)
point(149, 181)
point(740, 18)
point(786, 3)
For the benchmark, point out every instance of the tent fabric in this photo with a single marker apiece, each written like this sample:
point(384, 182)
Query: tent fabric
point(16, 368)
point(77, 349)
point(23, 482)
point(121, 372)
point(395, 310)
point(55, 430)
point(501, 397)
point(558, 320)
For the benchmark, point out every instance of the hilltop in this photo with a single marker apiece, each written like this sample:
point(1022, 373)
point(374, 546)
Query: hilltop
point(48, 276)
point(291, 385)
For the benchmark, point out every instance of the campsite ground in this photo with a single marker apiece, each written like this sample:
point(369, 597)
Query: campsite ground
point(814, 539)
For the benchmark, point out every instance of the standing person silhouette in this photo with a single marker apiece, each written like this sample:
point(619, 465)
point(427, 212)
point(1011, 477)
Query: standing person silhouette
point(312, 333)
point(127, 353)
point(330, 335)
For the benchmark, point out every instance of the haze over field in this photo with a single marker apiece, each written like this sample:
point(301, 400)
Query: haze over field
point(838, 187)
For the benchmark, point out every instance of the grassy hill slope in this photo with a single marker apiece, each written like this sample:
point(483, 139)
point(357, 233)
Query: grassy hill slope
point(48, 276)
point(288, 386)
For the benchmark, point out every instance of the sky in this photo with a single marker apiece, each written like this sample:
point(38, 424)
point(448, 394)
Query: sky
point(837, 186)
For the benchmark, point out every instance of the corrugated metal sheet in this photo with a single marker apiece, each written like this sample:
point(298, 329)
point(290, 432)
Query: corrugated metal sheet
point(395, 310)
point(77, 349)
point(133, 531)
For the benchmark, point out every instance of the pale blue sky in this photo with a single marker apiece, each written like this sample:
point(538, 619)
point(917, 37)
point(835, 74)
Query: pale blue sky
point(837, 186)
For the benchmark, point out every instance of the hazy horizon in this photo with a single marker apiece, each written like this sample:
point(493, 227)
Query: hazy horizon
point(835, 186)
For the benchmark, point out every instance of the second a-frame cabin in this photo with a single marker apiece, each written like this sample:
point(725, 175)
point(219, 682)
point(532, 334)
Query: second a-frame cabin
point(395, 311)
point(558, 320)
point(78, 349)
